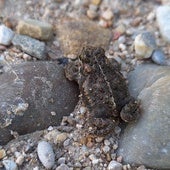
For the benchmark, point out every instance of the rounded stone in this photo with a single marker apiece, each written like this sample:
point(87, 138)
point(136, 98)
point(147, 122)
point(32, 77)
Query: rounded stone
point(144, 45)
point(46, 154)
point(113, 165)
point(6, 35)
point(146, 141)
point(158, 57)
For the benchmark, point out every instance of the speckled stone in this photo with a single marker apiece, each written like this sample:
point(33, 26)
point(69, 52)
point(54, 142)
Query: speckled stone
point(147, 141)
point(30, 46)
point(35, 28)
point(74, 34)
point(43, 88)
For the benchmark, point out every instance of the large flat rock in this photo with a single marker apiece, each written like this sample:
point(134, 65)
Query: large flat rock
point(148, 141)
point(33, 96)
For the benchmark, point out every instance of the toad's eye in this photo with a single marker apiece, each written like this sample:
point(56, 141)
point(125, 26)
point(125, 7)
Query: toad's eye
point(85, 58)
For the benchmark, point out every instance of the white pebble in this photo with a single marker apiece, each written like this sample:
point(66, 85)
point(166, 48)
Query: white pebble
point(107, 15)
point(106, 149)
point(83, 109)
point(106, 142)
point(10, 165)
point(46, 154)
point(6, 35)
point(113, 165)
point(122, 47)
point(20, 159)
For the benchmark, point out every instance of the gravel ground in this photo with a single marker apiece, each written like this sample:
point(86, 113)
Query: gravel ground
point(71, 149)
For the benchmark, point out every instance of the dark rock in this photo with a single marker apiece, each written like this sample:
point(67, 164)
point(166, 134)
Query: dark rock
point(29, 93)
point(147, 141)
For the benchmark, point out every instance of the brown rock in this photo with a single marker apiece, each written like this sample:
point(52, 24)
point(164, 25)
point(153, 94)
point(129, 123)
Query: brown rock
point(74, 34)
point(29, 93)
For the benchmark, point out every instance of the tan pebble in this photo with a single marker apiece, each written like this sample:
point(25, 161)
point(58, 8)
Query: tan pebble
point(107, 15)
point(96, 2)
point(61, 137)
point(71, 56)
point(92, 14)
point(2, 153)
point(108, 157)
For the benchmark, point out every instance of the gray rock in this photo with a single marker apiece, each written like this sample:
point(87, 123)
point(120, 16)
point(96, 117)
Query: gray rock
point(158, 57)
point(30, 46)
point(46, 154)
point(163, 20)
point(29, 93)
point(6, 35)
point(147, 141)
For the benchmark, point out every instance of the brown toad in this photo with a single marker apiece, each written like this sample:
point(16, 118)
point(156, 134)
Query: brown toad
point(103, 89)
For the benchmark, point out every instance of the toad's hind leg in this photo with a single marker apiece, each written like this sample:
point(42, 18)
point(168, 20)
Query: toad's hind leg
point(130, 112)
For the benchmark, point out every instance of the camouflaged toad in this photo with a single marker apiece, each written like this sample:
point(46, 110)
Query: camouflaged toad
point(103, 90)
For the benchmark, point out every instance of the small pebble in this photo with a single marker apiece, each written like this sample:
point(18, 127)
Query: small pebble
point(83, 109)
point(46, 154)
point(96, 2)
point(106, 142)
point(92, 14)
point(151, 16)
point(62, 167)
point(61, 137)
point(144, 45)
point(66, 142)
point(6, 35)
point(158, 57)
point(122, 47)
point(113, 165)
point(61, 160)
point(106, 149)
point(20, 160)
point(2, 153)
point(107, 15)
point(10, 165)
